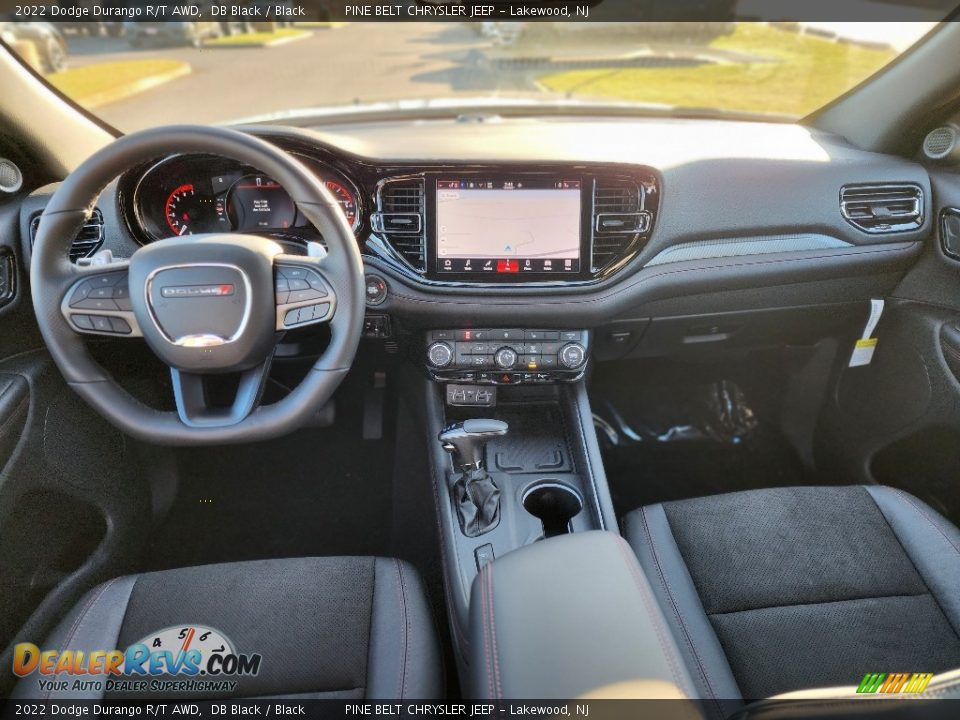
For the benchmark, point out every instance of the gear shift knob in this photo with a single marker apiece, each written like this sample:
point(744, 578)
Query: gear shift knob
point(467, 439)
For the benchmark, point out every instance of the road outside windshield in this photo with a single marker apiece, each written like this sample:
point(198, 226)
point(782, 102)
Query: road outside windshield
point(136, 75)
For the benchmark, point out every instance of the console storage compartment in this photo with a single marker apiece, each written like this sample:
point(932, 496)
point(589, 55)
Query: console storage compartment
point(567, 617)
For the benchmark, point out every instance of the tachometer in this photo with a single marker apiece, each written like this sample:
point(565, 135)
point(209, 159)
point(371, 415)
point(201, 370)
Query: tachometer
point(348, 202)
point(182, 209)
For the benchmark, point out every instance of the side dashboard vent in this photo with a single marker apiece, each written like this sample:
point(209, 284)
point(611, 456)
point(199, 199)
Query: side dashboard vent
point(619, 221)
point(887, 208)
point(399, 219)
point(87, 242)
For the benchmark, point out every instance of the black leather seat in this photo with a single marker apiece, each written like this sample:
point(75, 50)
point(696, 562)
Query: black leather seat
point(771, 591)
point(344, 628)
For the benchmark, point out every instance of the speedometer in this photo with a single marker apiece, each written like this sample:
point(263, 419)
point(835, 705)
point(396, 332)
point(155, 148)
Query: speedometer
point(348, 203)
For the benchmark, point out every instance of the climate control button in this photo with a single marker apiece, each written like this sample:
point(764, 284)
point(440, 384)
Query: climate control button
point(572, 355)
point(440, 354)
point(505, 358)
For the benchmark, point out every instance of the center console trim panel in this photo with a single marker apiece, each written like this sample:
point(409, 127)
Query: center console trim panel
point(586, 474)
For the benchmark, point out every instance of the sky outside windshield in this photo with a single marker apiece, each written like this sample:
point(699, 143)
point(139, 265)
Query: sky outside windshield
point(137, 75)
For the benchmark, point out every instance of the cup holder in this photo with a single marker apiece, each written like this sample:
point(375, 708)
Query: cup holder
point(554, 504)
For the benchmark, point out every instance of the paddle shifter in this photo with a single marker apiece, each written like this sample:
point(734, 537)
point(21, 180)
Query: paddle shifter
point(475, 494)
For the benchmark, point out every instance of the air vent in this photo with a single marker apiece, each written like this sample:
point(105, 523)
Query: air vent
point(400, 219)
point(619, 221)
point(88, 241)
point(887, 208)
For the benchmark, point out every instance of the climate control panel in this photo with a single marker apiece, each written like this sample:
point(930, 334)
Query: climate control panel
point(506, 356)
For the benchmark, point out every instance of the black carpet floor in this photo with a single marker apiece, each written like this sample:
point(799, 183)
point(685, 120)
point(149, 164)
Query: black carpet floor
point(689, 430)
point(316, 492)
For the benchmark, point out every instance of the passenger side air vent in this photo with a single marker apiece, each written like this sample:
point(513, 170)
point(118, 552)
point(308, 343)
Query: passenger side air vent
point(619, 221)
point(399, 219)
point(88, 241)
point(887, 208)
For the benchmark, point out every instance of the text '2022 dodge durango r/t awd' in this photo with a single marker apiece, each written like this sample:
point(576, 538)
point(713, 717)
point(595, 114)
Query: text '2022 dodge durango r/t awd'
point(479, 362)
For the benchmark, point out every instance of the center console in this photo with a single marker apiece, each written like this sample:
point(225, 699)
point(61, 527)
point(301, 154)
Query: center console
point(512, 445)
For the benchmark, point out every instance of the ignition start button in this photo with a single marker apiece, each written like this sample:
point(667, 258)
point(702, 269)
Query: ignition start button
point(376, 290)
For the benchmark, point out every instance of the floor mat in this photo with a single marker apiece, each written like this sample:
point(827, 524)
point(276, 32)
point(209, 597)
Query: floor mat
point(315, 492)
point(686, 430)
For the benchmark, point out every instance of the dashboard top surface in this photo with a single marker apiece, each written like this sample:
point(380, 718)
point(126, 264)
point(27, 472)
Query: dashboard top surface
point(657, 142)
point(771, 191)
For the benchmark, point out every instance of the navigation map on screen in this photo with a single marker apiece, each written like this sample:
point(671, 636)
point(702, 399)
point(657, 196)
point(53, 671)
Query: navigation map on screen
point(512, 226)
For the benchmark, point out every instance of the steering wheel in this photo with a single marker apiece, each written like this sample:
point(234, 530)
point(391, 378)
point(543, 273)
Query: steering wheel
point(205, 304)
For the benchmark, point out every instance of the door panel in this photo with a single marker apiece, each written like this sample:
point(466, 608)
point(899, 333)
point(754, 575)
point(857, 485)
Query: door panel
point(897, 420)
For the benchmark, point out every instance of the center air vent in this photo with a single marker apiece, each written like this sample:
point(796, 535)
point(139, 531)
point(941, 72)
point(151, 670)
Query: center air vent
point(887, 208)
point(400, 219)
point(88, 241)
point(619, 221)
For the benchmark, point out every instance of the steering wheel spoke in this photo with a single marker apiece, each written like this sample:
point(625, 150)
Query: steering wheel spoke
point(303, 295)
point(192, 396)
point(98, 303)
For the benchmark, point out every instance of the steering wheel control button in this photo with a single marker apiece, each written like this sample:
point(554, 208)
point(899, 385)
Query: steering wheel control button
point(82, 322)
point(119, 325)
point(440, 354)
point(306, 314)
point(81, 293)
point(94, 304)
point(298, 296)
point(292, 272)
point(375, 290)
point(100, 287)
point(299, 285)
point(572, 355)
point(101, 323)
point(121, 296)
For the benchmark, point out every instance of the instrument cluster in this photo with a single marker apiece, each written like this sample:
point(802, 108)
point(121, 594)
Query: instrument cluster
point(193, 194)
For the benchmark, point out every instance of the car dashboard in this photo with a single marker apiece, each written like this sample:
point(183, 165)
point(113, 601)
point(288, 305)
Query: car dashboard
point(576, 222)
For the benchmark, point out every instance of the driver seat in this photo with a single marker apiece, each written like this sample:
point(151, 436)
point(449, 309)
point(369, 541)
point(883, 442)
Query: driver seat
point(326, 628)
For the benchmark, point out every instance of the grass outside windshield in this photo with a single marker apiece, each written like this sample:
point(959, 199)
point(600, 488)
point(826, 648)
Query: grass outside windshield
point(208, 73)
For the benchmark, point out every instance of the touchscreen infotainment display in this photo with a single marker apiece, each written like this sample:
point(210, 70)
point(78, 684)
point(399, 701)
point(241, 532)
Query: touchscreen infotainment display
point(508, 226)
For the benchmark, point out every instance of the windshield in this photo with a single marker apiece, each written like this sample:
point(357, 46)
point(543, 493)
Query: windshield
point(135, 75)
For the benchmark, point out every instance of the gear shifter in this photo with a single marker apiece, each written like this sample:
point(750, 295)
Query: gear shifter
point(466, 440)
point(475, 494)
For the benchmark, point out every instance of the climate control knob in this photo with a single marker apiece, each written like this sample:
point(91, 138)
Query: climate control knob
point(505, 358)
point(440, 354)
point(573, 355)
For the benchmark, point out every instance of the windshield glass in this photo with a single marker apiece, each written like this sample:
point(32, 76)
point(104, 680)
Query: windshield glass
point(136, 75)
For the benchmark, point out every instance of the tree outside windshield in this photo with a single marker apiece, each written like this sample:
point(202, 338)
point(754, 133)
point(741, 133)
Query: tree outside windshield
point(135, 75)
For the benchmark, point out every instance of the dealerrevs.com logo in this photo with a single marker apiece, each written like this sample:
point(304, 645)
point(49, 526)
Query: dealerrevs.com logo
point(188, 658)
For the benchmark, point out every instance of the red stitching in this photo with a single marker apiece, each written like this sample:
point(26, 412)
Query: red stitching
point(486, 640)
point(925, 517)
point(406, 628)
point(676, 608)
point(493, 636)
point(83, 613)
point(647, 599)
